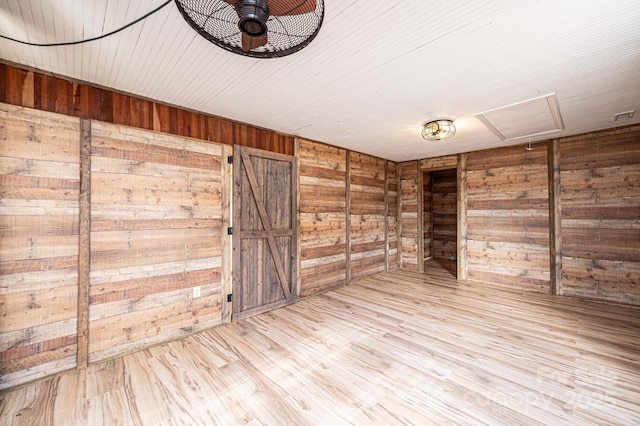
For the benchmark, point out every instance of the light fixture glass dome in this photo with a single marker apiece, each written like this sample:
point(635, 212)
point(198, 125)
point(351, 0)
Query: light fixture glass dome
point(438, 130)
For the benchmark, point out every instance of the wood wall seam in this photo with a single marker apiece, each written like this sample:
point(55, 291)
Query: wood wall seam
point(386, 215)
point(226, 276)
point(399, 214)
point(420, 220)
point(555, 218)
point(348, 218)
point(462, 217)
point(84, 253)
point(298, 278)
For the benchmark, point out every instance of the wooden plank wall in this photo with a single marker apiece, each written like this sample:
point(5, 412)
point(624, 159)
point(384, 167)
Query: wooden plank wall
point(392, 216)
point(348, 229)
point(600, 215)
point(409, 215)
point(323, 216)
point(40, 183)
point(508, 217)
point(367, 215)
point(156, 233)
point(43, 92)
point(444, 195)
point(444, 162)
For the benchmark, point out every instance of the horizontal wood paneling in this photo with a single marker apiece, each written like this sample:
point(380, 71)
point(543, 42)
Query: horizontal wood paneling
point(31, 89)
point(508, 217)
point(392, 216)
point(439, 163)
point(156, 233)
point(600, 215)
point(323, 216)
point(367, 215)
point(409, 215)
point(39, 183)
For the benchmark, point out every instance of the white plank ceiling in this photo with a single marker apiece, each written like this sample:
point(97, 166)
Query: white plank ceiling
point(377, 71)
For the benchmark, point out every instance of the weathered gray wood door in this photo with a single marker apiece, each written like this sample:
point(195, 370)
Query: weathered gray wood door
point(264, 231)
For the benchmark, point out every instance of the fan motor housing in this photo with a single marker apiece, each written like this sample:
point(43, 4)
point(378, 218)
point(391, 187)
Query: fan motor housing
point(253, 17)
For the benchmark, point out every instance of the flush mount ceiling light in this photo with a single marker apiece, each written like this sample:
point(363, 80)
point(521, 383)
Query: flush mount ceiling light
point(438, 130)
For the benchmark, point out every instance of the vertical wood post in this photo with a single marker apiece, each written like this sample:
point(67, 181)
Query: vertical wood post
point(84, 253)
point(462, 217)
point(386, 215)
point(298, 275)
point(348, 218)
point(431, 227)
point(295, 216)
point(398, 216)
point(555, 217)
point(399, 221)
point(236, 281)
point(226, 246)
point(420, 224)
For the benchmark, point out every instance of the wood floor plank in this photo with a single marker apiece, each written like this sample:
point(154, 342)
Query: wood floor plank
point(394, 348)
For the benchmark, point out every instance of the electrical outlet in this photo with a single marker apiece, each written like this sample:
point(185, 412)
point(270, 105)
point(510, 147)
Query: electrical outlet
point(196, 292)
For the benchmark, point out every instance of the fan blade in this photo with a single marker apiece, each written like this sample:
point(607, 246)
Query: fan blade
point(290, 7)
point(249, 42)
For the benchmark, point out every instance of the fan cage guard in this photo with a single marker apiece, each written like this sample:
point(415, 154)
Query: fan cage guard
point(438, 130)
point(217, 21)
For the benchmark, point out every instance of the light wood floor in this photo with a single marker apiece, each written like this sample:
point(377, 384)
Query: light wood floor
point(397, 348)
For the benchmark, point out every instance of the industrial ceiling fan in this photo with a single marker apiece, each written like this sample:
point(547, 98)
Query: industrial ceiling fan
point(256, 28)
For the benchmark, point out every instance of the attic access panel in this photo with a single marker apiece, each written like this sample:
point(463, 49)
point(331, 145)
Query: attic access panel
point(533, 117)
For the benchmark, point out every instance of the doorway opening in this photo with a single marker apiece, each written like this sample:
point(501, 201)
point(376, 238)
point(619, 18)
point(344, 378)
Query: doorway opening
point(440, 213)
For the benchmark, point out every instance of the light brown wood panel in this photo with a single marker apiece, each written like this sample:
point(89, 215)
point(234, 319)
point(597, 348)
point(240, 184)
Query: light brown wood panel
point(611, 148)
point(599, 223)
point(39, 222)
point(439, 163)
point(409, 216)
point(323, 217)
point(156, 234)
point(514, 158)
point(507, 216)
point(392, 216)
point(367, 224)
point(370, 353)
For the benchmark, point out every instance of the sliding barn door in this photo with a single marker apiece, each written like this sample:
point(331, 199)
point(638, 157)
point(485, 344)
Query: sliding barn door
point(264, 231)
